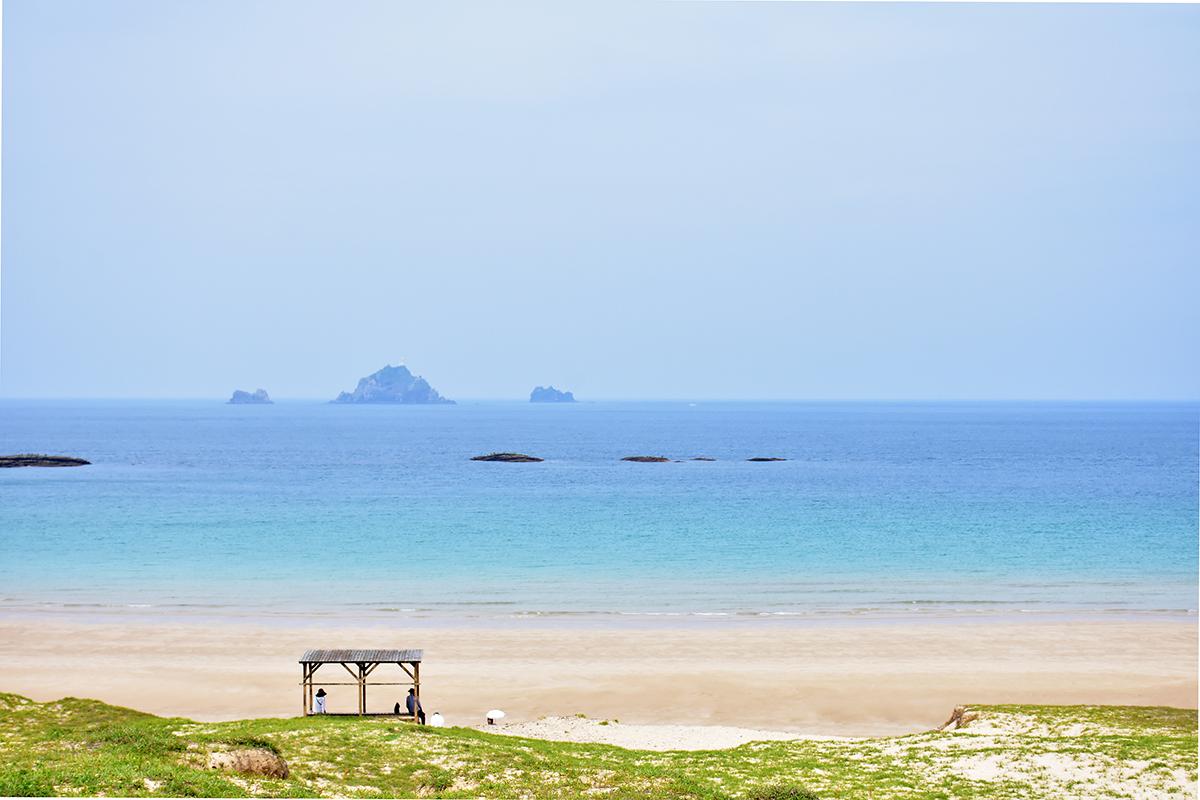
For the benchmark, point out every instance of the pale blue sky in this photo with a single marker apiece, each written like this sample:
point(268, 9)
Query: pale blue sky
point(626, 200)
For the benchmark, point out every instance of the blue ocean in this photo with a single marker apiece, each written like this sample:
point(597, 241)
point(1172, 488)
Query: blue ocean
point(881, 509)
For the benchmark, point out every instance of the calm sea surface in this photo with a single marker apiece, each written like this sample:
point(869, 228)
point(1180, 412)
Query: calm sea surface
point(881, 509)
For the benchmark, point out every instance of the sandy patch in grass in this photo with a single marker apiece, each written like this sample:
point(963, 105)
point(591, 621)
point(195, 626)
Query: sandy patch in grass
point(642, 737)
point(1062, 775)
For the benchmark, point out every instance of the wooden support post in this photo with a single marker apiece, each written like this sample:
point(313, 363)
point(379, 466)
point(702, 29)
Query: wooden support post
point(417, 689)
point(304, 690)
point(309, 689)
point(362, 689)
point(367, 674)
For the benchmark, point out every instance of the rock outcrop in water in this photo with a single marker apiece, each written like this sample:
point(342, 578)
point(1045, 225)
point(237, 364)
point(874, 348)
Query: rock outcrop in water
point(647, 459)
point(548, 394)
point(41, 460)
point(766, 458)
point(511, 458)
point(393, 385)
point(256, 398)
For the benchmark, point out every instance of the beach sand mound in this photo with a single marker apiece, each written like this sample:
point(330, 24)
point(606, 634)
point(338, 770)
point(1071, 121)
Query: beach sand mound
point(254, 761)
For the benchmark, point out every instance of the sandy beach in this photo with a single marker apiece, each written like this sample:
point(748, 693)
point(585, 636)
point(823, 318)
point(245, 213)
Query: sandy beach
point(852, 678)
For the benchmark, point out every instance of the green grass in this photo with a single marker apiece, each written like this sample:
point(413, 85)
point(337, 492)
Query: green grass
point(84, 747)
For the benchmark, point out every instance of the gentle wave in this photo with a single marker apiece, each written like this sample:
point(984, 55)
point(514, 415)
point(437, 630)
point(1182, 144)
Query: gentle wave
point(350, 612)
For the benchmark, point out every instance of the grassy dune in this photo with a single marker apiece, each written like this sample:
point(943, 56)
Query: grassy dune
point(73, 747)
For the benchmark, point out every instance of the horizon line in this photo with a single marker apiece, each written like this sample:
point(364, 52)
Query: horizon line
point(677, 399)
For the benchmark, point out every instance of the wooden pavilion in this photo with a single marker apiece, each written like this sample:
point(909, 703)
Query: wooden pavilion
point(360, 664)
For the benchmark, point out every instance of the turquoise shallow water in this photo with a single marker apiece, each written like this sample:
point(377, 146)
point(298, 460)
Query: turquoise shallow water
point(881, 509)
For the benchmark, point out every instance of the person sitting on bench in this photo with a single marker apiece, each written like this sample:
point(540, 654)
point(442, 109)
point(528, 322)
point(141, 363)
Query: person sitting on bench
point(414, 706)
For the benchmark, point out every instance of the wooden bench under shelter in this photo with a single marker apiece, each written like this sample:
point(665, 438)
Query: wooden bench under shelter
point(360, 664)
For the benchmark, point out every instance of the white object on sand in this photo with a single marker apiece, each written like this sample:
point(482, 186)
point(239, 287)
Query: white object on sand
point(436, 721)
point(494, 715)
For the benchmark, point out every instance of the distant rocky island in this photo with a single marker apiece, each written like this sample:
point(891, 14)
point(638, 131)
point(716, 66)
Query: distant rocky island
point(393, 385)
point(548, 394)
point(259, 397)
point(511, 458)
point(647, 459)
point(766, 458)
point(41, 460)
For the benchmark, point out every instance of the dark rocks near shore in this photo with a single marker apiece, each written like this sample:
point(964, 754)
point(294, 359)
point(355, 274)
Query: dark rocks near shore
point(41, 460)
point(509, 458)
point(256, 398)
point(518, 458)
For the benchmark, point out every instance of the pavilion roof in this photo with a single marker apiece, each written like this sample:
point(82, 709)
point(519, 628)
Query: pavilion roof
point(360, 656)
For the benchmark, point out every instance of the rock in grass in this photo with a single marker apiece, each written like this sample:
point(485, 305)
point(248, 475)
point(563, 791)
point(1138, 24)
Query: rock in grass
point(647, 459)
point(40, 460)
point(766, 458)
point(254, 761)
point(512, 458)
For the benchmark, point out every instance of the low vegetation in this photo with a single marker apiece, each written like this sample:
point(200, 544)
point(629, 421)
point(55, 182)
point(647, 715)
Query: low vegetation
point(84, 747)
